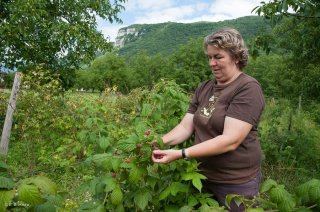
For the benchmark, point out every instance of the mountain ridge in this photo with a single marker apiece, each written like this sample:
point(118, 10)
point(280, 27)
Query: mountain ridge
point(164, 38)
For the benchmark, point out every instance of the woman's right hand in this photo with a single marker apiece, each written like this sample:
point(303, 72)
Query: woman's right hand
point(166, 156)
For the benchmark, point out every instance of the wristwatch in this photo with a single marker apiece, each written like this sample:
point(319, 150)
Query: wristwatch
point(183, 153)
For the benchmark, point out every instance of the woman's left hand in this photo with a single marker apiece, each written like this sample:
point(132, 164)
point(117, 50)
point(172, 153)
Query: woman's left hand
point(166, 156)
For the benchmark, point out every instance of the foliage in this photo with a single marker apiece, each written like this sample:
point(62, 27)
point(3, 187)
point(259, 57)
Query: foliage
point(8, 78)
point(125, 177)
point(105, 71)
point(289, 141)
point(148, 70)
point(190, 65)
point(296, 32)
point(4, 99)
point(33, 193)
point(104, 143)
point(274, 75)
point(278, 9)
point(60, 34)
point(274, 197)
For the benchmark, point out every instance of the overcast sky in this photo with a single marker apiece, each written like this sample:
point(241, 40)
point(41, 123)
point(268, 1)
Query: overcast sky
point(181, 11)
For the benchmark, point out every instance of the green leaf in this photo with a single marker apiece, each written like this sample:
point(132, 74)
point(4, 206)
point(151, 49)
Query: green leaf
point(142, 198)
point(109, 182)
point(314, 191)
point(266, 204)
point(6, 198)
point(192, 175)
point(278, 194)
point(45, 184)
point(116, 162)
point(284, 199)
point(126, 147)
point(116, 196)
point(132, 139)
point(286, 206)
point(104, 143)
point(197, 183)
point(212, 202)
point(29, 194)
point(192, 201)
point(57, 200)
point(156, 116)
point(267, 185)
point(238, 199)
point(46, 207)
point(89, 122)
point(135, 175)
point(303, 210)
point(176, 187)
point(6, 182)
point(185, 208)
point(205, 208)
point(146, 110)
point(254, 210)
point(196, 179)
point(3, 166)
point(284, 6)
point(141, 128)
point(164, 194)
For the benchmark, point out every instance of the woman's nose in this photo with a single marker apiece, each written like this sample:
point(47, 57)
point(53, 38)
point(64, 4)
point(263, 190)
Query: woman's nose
point(212, 62)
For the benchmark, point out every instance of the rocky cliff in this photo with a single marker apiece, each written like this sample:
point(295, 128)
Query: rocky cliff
point(125, 35)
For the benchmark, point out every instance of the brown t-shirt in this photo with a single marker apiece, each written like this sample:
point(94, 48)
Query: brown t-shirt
point(241, 99)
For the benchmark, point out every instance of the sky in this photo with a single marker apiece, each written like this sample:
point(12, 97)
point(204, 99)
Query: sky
point(181, 11)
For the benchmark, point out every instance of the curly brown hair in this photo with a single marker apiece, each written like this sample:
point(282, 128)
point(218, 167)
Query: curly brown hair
point(230, 40)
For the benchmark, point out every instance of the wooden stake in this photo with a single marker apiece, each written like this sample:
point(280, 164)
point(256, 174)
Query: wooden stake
point(9, 116)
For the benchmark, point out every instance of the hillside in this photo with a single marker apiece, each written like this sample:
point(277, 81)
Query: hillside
point(164, 38)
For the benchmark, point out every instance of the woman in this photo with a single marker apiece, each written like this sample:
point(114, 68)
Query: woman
point(224, 115)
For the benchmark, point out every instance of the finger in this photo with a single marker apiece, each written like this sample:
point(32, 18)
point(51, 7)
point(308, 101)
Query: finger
point(157, 152)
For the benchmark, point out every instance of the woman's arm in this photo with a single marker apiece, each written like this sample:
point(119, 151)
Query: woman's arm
point(233, 134)
point(235, 131)
point(181, 132)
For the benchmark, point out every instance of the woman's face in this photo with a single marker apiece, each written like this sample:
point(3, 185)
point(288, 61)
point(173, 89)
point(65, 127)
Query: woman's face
point(223, 66)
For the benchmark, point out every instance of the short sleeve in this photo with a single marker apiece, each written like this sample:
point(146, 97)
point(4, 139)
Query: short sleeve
point(193, 106)
point(195, 101)
point(247, 104)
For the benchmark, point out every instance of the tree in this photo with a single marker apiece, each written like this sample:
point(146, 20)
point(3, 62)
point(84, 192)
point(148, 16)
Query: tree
point(61, 35)
point(296, 31)
point(191, 65)
point(105, 71)
point(148, 70)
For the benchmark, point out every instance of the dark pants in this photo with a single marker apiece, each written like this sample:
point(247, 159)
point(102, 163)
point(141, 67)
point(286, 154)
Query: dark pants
point(220, 191)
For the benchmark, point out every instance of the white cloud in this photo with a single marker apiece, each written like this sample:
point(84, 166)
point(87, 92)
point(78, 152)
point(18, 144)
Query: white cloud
point(169, 14)
point(209, 18)
point(232, 8)
point(137, 5)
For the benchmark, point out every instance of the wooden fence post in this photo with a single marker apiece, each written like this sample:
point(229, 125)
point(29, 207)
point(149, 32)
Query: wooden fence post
point(9, 116)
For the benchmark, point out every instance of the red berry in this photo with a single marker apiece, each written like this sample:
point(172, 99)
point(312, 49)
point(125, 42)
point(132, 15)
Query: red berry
point(139, 145)
point(116, 152)
point(141, 152)
point(147, 133)
point(113, 175)
point(158, 156)
point(127, 160)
